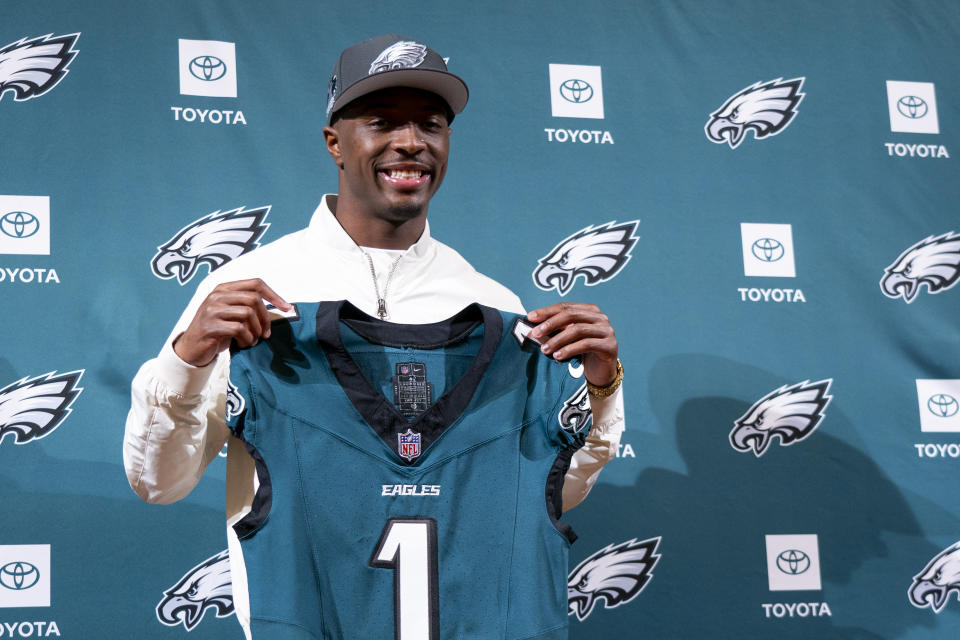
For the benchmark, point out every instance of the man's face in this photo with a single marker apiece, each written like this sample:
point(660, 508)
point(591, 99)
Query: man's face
point(392, 147)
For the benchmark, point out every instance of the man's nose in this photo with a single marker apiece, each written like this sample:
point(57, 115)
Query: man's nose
point(407, 138)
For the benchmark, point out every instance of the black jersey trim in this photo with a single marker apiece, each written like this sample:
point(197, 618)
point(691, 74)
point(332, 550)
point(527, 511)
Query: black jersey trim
point(434, 335)
point(554, 489)
point(262, 500)
point(376, 410)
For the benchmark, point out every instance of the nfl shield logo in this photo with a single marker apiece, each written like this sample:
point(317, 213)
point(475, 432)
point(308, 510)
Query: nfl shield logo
point(409, 444)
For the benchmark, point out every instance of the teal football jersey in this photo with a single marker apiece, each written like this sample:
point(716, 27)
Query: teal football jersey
point(409, 478)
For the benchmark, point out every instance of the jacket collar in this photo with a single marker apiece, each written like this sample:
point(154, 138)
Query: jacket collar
point(325, 230)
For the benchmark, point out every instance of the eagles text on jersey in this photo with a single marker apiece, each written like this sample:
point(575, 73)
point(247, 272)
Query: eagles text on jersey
point(339, 410)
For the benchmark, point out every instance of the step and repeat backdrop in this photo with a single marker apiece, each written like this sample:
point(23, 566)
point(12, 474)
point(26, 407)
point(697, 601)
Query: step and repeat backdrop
point(762, 196)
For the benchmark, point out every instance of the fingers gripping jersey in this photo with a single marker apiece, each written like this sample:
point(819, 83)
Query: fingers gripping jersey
point(409, 478)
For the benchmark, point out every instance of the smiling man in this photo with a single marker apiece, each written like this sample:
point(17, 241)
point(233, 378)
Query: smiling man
point(391, 147)
point(391, 103)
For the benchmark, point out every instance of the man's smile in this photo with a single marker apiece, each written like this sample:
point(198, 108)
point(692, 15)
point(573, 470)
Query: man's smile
point(404, 176)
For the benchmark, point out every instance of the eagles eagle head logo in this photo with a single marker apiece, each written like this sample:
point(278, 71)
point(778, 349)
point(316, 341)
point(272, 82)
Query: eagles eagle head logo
point(596, 254)
point(400, 55)
point(30, 68)
point(206, 585)
point(214, 239)
point(31, 408)
point(934, 261)
point(932, 586)
point(790, 412)
point(235, 404)
point(616, 574)
point(766, 108)
point(331, 93)
point(576, 414)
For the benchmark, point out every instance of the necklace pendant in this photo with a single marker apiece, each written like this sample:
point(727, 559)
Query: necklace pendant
point(382, 308)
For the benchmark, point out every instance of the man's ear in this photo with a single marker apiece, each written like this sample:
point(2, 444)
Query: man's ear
point(332, 138)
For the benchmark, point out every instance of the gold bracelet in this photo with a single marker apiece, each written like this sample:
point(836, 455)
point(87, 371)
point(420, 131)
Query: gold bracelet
point(607, 389)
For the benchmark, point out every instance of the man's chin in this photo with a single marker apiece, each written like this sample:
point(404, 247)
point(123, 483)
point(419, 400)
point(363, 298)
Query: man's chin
point(406, 209)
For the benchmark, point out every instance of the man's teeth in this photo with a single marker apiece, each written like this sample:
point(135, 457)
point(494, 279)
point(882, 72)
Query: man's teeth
point(404, 174)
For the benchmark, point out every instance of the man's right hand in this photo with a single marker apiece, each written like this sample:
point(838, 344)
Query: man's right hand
point(232, 311)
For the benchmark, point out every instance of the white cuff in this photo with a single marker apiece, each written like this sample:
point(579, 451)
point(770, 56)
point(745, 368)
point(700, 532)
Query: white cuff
point(180, 377)
point(608, 420)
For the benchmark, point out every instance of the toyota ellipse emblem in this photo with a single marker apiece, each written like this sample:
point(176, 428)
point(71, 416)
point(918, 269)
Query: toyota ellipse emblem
point(207, 68)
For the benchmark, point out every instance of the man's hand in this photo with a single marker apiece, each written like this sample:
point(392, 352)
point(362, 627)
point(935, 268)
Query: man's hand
point(568, 329)
point(232, 311)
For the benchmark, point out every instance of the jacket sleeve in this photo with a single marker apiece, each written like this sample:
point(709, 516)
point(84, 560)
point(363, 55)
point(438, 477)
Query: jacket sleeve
point(175, 427)
point(599, 448)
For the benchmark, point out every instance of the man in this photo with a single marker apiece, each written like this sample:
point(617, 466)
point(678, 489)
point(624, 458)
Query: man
point(390, 104)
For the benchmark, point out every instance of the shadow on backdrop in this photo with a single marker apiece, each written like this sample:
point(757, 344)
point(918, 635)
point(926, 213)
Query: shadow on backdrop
point(112, 555)
point(711, 580)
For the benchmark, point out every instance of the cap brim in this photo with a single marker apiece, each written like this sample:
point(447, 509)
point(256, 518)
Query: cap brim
point(443, 83)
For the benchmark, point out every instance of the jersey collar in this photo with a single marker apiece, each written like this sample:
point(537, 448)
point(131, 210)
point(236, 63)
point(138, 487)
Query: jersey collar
point(376, 410)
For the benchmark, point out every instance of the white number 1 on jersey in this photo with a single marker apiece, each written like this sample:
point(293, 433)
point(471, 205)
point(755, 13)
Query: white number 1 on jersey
point(409, 547)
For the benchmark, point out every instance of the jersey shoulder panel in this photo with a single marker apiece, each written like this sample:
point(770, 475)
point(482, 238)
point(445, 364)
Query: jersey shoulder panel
point(549, 383)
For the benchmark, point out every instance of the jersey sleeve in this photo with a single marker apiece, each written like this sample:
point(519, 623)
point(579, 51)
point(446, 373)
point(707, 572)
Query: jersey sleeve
point(600, 446)
point(562, 428)
point(551, 385)
point(243, 420)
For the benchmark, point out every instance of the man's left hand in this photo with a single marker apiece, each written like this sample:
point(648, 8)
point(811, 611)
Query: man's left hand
point(567, 329)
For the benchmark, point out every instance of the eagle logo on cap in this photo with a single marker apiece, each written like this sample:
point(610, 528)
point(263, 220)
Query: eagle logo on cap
point(400, 55)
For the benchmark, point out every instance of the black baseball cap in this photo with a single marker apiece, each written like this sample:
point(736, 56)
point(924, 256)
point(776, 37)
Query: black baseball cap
point(392, 61)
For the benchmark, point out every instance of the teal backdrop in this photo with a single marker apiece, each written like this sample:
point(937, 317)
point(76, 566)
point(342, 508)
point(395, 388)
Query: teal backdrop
point(784, 164)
